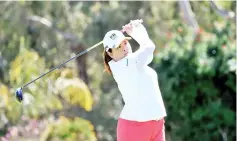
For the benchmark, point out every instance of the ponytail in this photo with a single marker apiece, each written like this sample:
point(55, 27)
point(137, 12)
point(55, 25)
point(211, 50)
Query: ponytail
point(107, 58)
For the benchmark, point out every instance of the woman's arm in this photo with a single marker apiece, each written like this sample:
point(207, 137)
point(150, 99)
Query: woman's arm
point(144, 55)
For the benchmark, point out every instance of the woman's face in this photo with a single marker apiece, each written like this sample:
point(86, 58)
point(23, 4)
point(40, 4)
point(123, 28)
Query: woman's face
point(122, 51)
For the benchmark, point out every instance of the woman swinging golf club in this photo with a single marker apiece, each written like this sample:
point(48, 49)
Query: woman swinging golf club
point(142, 117)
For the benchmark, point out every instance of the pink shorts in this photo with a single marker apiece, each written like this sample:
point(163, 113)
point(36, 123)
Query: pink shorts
point(153, 130)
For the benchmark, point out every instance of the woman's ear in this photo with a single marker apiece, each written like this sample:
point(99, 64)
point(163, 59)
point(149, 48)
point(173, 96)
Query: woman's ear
point(110, 54)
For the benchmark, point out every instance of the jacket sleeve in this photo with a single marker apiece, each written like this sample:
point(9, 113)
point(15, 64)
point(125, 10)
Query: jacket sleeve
point(144, 55)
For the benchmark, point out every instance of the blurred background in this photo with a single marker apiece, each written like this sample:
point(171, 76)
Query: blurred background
point(195, 59)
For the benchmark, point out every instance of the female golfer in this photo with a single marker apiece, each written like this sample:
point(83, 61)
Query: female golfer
point(142, 117)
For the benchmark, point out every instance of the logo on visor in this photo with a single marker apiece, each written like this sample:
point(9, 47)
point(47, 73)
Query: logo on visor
point(113, 36)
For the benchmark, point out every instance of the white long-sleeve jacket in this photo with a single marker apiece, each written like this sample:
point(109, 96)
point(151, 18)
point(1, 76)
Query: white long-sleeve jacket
point(137, 82)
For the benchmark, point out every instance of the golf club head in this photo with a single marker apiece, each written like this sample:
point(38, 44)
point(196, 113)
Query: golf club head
point(19, 95)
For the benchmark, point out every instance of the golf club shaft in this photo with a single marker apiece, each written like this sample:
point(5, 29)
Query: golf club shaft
point(79, 54)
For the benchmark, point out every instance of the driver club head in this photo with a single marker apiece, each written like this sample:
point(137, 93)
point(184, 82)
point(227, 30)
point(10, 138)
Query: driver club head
point(19, 95)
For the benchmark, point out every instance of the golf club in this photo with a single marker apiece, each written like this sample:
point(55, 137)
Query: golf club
point(19, 93)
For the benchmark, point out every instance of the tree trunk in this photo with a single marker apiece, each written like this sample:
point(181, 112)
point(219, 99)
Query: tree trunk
point(223, 13)
point(188, 15)
point(81, 62)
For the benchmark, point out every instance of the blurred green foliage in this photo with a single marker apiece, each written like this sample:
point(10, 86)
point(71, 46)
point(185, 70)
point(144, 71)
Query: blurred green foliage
point(198, 84)
point(196, 72)
point(54, 92)
point(68, 129)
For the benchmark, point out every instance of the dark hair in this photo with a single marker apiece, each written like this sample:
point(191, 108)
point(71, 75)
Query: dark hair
point(107, 58)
